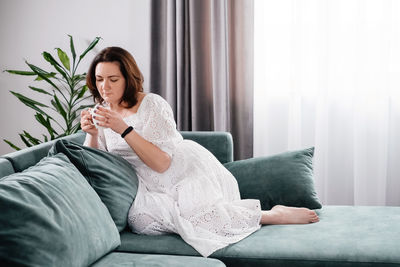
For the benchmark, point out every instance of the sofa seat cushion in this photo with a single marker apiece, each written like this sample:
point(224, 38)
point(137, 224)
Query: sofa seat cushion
point(50, 216)
point(345, 236)
point(117, 259)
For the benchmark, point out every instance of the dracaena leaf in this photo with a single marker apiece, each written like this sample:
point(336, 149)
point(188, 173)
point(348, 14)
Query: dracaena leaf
point(63, 58)
point(49, 58)
point(39, 90)
point(82, 92)
point(46, 123)
point(49, 75)
point(42, 74)
point(11, 144)
point(25, 99)
point(28, 144)
point(31, 139)
point(21, 72)
point(76, 127)
point(57, 104)
point(90, 47)
point(31, 103)
point(72, 47)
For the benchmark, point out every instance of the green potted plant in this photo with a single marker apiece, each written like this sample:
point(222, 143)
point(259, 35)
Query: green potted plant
point(65, 89)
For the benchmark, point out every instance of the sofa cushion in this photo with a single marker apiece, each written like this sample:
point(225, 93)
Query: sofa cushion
point(285, 179)
point(220, 144)
point(111, 176)
point(344, 236)
point(50, 216)
point(117, 259)
point(5, 167)
point(29, 156)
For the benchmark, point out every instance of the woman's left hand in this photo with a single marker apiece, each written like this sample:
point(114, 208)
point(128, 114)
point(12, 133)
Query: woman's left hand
point(110, 119)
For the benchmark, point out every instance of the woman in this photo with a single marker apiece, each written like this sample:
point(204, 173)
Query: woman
point(183, 188)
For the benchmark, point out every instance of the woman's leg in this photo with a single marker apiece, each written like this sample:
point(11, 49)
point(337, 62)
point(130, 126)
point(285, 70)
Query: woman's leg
point(288, 215)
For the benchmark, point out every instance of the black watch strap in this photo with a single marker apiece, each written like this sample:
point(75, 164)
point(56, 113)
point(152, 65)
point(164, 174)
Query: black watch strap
point(127, 130)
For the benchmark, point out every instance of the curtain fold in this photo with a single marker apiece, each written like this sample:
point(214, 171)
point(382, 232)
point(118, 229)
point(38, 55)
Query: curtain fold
point(202, 64)
point(328, 75)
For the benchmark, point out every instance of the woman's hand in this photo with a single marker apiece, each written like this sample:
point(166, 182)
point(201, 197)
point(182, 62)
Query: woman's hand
point(110, 119)
point(87, 123)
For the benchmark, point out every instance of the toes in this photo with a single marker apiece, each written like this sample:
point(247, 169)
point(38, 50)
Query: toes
point(315, 219)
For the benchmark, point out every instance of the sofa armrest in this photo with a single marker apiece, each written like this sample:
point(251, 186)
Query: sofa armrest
point(218, 143)
point(5, 167)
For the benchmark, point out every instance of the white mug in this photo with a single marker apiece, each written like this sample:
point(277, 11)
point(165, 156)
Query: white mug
point(95, 122)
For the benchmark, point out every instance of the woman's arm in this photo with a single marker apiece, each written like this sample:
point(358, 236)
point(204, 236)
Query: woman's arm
point(149, 153)
point(91, 130)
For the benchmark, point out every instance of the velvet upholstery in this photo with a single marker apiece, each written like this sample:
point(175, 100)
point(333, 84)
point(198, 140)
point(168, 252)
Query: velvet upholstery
point(218, 143)
point(284, 179)
point(116, 259)
point(112, 177)
point(27, 157)
point(345, 236)
point(50, 216)
point(6, 168)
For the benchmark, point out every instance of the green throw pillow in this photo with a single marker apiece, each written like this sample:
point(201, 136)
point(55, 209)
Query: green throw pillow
point(284, 179)
point(111, 176)
point(50, 216)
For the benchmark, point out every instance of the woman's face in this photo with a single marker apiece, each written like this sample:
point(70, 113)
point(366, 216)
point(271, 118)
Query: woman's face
point(110, 82)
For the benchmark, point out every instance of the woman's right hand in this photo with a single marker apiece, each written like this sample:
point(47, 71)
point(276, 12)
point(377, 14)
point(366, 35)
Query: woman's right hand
point(87, 123)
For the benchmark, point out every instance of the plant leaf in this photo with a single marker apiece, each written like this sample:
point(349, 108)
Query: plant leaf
point(49, 58)
point(39, 90)
point(21, 72)
point(46, 123)
point(90, 47)
point(42, 74)
point(76, 79)
point(76, 127)
point(53, 130)
point(82, 92)
point(31, 139)
point(49, 75)
point(26, 100)
point(11, 145)
point(64, 58)
point(31, 103)
point(24, 140)
point(85, 106)
point(72, 47)
point(57, 104)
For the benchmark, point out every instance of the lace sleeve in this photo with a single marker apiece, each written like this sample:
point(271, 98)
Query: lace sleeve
point(160, 127)
point(101, 140)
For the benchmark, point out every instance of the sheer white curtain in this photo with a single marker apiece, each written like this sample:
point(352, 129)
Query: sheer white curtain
point(327, 74)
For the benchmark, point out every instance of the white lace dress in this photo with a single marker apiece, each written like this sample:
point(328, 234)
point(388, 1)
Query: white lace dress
point(197, 197)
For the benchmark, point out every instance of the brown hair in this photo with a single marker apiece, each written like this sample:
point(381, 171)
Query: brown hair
point(128, 68)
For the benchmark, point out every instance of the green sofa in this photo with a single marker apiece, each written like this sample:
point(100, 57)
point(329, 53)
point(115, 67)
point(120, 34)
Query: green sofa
point(345, 235)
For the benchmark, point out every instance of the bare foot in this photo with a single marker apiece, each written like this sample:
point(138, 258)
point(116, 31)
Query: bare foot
point(288, 215)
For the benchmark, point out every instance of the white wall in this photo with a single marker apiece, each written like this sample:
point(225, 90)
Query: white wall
point(27, 28)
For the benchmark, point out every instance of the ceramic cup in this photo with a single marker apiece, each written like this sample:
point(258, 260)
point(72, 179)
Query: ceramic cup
point(95, 122)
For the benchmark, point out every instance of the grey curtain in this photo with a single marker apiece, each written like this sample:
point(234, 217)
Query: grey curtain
point(202, 64)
